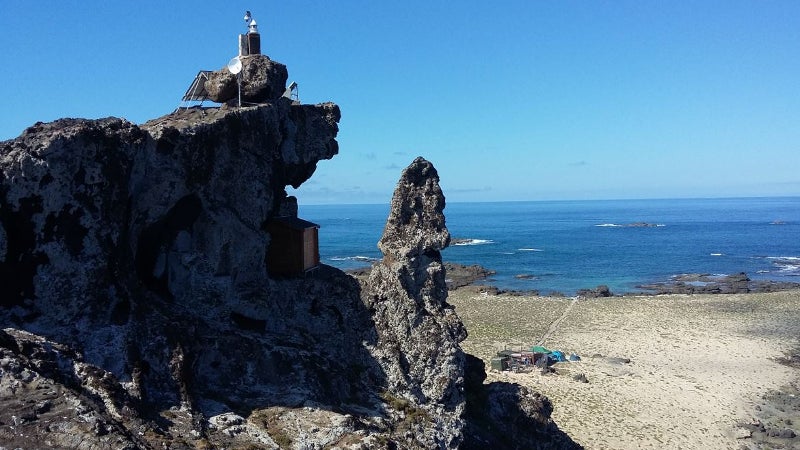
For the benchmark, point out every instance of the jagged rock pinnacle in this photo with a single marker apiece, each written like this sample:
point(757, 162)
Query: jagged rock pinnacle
point(416, 223)
point(419, 333)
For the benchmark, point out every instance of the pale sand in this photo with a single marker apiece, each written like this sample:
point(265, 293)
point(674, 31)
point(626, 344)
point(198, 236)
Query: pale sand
point(699, 364)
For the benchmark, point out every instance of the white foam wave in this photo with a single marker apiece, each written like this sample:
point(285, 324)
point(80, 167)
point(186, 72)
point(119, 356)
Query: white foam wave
point(784, 258)
point(631, 225)
point(473, 242)
point(530, 249)
point(717, 254)
point(785, 267)
point(353, 258)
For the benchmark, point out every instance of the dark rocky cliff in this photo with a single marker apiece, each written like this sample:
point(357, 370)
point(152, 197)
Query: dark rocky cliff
point(137, 310)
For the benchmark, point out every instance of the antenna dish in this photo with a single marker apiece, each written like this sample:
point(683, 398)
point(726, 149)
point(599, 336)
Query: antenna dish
point(235, 65)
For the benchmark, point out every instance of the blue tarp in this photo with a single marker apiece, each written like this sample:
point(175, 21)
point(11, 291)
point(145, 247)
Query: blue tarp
point(557, 356)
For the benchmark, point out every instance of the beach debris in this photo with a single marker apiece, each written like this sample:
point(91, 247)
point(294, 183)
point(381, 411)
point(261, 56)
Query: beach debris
point(557, 356)
point(580, 377)
point(523, 361)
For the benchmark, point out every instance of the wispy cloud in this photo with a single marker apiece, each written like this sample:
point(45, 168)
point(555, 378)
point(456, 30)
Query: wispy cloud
point(328, 195)
point(469, 190)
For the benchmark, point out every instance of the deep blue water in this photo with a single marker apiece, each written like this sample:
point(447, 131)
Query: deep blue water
point(568, 245)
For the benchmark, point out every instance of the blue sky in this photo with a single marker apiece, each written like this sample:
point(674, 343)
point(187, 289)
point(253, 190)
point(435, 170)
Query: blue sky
point(516, 100)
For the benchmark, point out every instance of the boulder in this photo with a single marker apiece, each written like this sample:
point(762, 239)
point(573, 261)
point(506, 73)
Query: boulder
point(459, 275)
point(600, 291)
point(262, 80)
point(507, 415)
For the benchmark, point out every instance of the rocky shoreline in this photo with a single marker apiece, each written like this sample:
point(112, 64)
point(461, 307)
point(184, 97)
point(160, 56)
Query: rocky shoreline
point(463, 276)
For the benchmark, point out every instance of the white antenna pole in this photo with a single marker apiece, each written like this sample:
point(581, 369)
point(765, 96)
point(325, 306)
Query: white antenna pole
point(235, 67)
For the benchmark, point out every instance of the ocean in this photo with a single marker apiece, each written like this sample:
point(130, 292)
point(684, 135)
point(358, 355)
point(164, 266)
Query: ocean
point(563, 246)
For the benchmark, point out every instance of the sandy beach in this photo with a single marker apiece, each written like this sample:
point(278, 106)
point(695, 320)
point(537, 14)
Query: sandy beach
point(704, 371)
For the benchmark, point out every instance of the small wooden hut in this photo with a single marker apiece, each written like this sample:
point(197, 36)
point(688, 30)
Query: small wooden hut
point(293, 247)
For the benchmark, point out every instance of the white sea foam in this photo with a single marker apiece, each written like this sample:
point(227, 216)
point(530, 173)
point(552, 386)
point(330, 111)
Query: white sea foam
point(473, 242)
point(530, 249)
point(353, 258)
point(631, 225)
point(717, 254)
point(786, 265)
point(784, 258)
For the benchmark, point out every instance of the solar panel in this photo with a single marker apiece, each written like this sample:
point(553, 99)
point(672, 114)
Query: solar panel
point(197, 90)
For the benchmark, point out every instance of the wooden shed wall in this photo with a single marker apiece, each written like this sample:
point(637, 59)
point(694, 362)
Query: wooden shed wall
point(292, 251)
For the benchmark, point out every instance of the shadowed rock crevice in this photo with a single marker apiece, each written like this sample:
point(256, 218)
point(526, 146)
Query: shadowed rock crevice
point(19, 257)
point(156, 247)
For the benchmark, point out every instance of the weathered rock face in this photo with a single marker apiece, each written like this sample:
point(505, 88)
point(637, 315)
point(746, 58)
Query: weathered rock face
point(136, 309)
point(416, 225)
point(262, 80)
point(94, 210)
point(142, 251)
point(418, 332)
point(418, 336)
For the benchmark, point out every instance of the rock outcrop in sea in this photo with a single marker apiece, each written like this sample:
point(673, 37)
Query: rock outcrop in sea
point(137, 309)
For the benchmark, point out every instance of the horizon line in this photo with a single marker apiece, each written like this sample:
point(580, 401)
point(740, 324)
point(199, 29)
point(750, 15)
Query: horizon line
point(738, 197)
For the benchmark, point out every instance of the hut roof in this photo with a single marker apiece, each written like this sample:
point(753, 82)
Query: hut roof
point(296, 223)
